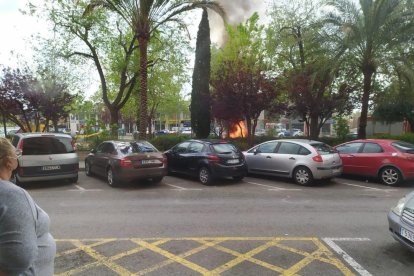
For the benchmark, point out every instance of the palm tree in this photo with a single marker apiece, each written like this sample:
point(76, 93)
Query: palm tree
point(370, 30)
point(144, 17)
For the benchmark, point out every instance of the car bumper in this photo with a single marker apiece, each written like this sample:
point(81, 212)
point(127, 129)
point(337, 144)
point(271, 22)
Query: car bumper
point(219, 170)
point(131, 174)
point(327, 172)
point(395, 224)
point(24, 179)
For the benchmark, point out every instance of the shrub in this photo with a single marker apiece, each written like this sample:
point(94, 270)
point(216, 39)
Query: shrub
point(165, 142)
point(82, 147)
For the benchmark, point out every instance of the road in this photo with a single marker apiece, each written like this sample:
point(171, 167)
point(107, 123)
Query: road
point(259, 226)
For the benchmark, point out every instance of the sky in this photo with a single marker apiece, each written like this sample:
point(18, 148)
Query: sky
point(17, 29)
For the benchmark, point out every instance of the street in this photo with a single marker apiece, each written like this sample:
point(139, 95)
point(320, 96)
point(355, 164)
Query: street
point(259, 226)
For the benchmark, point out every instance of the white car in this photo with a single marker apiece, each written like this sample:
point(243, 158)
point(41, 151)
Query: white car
point(2, 133)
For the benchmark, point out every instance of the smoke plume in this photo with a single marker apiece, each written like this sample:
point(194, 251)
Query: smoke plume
point(238, 11)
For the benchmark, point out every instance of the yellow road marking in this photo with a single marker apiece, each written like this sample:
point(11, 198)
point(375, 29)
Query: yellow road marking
point(152, 244)
point(184, 255)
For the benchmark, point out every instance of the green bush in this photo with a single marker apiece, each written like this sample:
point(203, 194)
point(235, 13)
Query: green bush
point(165, 142)
point(82, 147)
point(408, 137)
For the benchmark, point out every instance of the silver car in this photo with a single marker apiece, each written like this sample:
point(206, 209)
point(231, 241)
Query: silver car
point(300, 159)
point(401, 221)
point(45, 156)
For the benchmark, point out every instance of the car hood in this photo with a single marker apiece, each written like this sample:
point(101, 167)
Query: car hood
point(409, 199)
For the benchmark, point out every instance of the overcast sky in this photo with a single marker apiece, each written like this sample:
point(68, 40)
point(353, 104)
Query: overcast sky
point(17, 29)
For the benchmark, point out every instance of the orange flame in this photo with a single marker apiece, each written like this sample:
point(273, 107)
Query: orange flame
point(235, 130)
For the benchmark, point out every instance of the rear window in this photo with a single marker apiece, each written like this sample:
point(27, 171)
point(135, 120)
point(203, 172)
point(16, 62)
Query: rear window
point(224, 148)
point(403, 146)
point(136, 147)
point(323, 149)
point(47, 145)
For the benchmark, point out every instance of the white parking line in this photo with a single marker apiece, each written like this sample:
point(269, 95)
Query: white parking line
point(79, 187)
point(273, 188)
point(345, 256)
point(181, 188)
point(365, 187)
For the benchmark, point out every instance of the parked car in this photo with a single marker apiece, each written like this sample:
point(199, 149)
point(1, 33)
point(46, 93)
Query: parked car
point(299, 159)
point(2, 133)
point(208, 159)
point(12, 131)
point(185, 130)
point(401, 221)
point(392, 161)
point(295, 132)
point(163, 132)
point(45, 156)
point(260, 132)
point(126, 161)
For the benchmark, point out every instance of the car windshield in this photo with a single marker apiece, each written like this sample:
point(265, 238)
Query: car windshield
point(226, 148)
point(323, 149)
point(403, 146)
point(136, 147)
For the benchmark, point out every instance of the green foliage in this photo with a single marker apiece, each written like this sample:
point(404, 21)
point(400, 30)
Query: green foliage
point(200, 100)
point(271, 133)
point(341, 128)
point(166, 142)
point(408, 137)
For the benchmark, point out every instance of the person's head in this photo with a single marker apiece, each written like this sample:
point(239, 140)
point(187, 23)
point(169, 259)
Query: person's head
point(8, 158)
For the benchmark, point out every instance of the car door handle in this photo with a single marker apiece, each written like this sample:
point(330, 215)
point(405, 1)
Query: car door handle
point(292, 158)
point(350, 156)
point(268, 157)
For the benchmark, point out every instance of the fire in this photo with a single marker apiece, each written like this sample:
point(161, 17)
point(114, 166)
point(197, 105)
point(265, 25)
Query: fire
point(235, 130)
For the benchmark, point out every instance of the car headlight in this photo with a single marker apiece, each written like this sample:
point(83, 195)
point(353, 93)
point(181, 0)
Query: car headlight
point(397, 209)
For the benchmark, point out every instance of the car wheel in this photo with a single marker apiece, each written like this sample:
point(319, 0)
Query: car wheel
point(73, 180)
point(112, 182)
point(390, 176)
point(238, 178)
point(302, 176)
point(88, 171)
point(157, 179)
point(205, 176)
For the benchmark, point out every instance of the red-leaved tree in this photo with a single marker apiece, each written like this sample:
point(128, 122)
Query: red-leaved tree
point(242, 92)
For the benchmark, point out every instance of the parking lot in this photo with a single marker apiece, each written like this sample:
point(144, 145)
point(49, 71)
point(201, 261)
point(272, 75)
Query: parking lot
point(259, 226)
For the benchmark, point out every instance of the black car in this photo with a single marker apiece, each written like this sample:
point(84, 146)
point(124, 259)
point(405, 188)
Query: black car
point(207, 159)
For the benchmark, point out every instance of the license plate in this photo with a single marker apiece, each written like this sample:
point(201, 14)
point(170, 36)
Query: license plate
point(407, 234)
point(50, 168)
point(336, 170)
point(233, 161)
point(150, 161)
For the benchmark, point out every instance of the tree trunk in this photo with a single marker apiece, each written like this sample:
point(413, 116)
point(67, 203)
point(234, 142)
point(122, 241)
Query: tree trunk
point(314, 133)
point(47, 125)
point(411, 122)
point(4, 125)
point(143, 46)
point(114, 121)
point(150, 125)
point(241, 129)
point(362, 132)
point(249, 131)
point(55, 125)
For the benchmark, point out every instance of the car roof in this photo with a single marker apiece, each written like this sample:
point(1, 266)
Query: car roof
point(378, 141)
point(209, 141)
point(304, 141)
point(43, 134)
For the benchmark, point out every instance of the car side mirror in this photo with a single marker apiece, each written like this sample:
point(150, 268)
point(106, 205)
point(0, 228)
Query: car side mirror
point(93, 151)
point(256, 151)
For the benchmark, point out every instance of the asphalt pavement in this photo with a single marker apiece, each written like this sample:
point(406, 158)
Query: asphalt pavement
point(258, 226)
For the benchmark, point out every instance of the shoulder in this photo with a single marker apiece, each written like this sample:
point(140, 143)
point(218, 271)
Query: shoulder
point(11, 194)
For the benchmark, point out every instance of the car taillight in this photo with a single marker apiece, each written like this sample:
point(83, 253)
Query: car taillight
point(164, 159)
point(317, 158)
point(244, 157)
point(213, 158)
point(126, 162)
point(76, 167)
point(21, 171)
point(73, 145)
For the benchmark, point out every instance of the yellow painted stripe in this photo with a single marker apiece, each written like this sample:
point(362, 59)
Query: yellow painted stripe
point(133, 251)
point(170, 261)
point(335, 261)
point(301, 264)
point(173, 257)
point(90, 245)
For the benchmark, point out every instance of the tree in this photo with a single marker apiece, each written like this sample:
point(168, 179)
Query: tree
point(102, 39)
point(144, 18)
point(315, 99)
point(396, 104)
point(242, 92)
point(341, 128)
point(200, 104)
point(370, 30)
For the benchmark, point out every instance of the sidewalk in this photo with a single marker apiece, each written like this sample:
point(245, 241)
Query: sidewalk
point(81, 166)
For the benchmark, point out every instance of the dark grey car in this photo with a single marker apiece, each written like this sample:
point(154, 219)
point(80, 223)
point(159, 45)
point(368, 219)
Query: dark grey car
point(126, 161)
point(401, 221)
